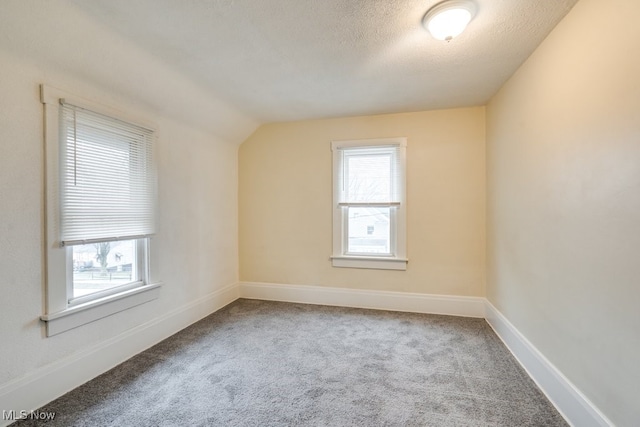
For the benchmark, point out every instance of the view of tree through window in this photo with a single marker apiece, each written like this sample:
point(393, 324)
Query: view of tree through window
point(101, 266)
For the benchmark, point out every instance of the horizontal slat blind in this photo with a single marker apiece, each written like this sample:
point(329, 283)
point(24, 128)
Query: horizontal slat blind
point(369, 176)
point(108, 179)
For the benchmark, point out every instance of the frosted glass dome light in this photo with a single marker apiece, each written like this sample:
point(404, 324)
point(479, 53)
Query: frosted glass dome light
point(449, 18)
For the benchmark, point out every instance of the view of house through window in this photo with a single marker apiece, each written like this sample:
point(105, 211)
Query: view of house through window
point(368, 175)
point(369, 230)
point(102, 266)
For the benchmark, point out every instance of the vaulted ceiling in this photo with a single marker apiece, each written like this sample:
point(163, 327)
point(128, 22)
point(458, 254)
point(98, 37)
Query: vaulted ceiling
point(226, 66)
point(279, 60)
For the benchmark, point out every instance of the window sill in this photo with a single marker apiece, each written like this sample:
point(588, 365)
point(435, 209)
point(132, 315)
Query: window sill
point(376, 263)
point(87, 312)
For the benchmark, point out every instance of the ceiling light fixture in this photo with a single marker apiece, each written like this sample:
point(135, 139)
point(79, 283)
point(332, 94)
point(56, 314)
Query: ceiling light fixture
point(449, 18)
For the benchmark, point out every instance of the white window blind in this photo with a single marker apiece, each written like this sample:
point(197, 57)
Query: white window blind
point(107, 178)
point(369, 176)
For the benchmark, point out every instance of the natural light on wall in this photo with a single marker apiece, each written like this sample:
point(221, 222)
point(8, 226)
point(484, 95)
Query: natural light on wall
point(449, 19)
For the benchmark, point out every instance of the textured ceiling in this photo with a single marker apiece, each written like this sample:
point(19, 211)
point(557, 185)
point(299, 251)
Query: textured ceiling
point(279, 60)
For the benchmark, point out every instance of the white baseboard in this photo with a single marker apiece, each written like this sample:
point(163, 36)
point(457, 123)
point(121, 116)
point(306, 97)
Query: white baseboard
point(570, 402)
point(52, 381)
point(380, 300)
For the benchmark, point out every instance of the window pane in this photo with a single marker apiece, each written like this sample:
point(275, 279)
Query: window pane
point(101, 266)
point(368, 177)
point(369, 231)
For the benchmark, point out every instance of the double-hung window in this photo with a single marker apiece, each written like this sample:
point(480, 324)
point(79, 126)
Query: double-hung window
point(101, 197)
point(369, 215)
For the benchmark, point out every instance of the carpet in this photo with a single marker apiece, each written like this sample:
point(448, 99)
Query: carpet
point(259, 363)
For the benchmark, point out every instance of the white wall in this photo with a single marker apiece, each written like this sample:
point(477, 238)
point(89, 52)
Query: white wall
point(286, 202)
point(563, 162)
point(195, 250)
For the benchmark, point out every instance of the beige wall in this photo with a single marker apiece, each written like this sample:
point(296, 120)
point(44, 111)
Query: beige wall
point(195, 250)
point(285, 202)
point(563, 163)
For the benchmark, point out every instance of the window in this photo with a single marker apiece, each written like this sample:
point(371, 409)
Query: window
point(369, 216)
point(107, 267)
point(101, 191)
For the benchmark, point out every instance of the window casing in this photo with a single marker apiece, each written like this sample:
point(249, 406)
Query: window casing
point(100, 211)
point(369, 213)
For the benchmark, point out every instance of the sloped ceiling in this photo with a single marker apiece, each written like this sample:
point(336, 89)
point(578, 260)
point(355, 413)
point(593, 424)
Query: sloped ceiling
point(281, 60)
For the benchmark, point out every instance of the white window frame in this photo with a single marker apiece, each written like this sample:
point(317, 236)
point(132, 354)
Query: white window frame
point(63, 312)
point(397, 260)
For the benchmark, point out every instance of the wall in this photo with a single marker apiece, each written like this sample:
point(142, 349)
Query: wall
point(195, 250)
point(563, 163)
point(286, 202)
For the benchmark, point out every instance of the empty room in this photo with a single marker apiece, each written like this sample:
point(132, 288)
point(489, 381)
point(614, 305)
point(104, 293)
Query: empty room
point(326, 213)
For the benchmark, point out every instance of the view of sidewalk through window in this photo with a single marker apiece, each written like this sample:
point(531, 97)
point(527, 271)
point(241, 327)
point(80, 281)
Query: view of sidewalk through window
point(101, 266)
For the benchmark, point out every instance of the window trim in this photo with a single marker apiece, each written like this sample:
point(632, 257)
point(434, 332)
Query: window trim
point(61, 314)
point(398, 214)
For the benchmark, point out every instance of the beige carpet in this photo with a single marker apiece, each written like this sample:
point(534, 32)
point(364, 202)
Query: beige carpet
point(257, 363)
